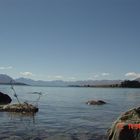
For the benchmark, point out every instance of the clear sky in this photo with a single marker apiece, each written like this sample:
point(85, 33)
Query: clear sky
point(70, 39)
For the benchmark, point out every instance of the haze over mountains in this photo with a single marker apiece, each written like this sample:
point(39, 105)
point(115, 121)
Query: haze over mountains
point(5, 79)
point(67, 83)
point(138, 79)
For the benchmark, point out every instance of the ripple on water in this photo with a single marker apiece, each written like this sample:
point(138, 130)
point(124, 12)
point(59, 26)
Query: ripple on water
point(63, 113)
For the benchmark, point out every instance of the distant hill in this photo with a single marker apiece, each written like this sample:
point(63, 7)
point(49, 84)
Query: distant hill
point(138, 79)
point(130, 84)
point(42, 83)
point(67, 83)
point(5, 79)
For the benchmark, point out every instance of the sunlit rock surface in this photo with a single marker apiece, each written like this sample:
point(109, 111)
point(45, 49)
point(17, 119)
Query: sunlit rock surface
point(24, 107)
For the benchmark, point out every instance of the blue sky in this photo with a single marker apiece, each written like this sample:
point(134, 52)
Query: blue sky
point(70, 39)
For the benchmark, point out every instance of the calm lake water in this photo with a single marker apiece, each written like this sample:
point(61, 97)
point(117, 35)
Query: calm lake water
point(63, 113)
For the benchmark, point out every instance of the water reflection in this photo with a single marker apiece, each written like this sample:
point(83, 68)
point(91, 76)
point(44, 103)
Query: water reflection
point(22, 116)
point(64, 114)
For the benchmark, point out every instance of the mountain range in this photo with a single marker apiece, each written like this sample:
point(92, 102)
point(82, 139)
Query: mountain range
point(67, 83)
point(5, 79)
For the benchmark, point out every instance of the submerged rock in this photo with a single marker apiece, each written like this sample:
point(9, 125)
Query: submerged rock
point(60, 137)
point(94, 102)
point(24, 107)
point(126, 127)
point(4, 98)
point(14, 138)
point(37, 138)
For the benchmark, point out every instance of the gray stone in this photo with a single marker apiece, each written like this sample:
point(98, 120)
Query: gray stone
point(94, 102)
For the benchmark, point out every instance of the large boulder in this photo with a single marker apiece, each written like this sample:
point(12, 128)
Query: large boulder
point(126, 127)
point(94, 102)
point(4, 98)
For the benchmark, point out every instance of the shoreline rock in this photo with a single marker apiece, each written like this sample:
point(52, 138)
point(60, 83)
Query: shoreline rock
point(24, 107)
point(4, 99)
point(126, 127)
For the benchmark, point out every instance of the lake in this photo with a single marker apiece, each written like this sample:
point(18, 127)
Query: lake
point(63, 113)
